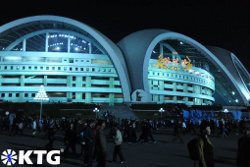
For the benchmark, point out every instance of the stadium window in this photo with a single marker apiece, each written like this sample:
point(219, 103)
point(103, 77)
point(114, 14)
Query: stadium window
point(26, 95)
point(17, 95)
point(47, 68)
point(53, 68)
point(23, 67)
point(35, 67)
point(5, 67)
point(3, 95)
point(59, 68)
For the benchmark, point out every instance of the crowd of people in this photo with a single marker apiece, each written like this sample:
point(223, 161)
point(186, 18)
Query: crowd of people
point(92, 136)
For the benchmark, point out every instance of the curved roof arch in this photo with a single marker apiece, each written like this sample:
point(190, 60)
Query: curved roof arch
point(230, 60)
point(112, 50)
point(146, 41)
point(39, 32)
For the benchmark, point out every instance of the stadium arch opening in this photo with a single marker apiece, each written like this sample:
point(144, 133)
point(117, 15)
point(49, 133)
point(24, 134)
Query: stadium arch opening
point(200, 77)
point(74, 62)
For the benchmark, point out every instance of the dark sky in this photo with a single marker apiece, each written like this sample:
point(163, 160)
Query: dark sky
point(224, 23)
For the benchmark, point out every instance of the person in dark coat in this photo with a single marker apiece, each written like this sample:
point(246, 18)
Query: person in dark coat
point(90, 143)
point(101, 144)
point(243, 152)
point(51, 134)
point(70, 139)
point(205, 148)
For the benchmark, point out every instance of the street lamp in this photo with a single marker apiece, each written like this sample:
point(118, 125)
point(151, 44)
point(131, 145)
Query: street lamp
point(161, 110)
point(41, 96)
point(96, 110)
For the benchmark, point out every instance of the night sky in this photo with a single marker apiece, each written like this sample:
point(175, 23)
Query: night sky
point(224, 24)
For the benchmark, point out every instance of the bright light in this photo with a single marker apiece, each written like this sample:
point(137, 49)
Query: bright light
point(7, 113)
point(57, 48)
point(181, 43)
point(161, 110)
point(96, 110)
point(225, 111)
point(236, 100)
point(233, 93)
point(41, 95)
point(76, 49)
point(154, 51)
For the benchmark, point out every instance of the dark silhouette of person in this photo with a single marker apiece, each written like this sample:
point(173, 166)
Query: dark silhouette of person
point(243, 152)
point(117, 136)
point(70, 139)
point(205, 148)
point(90, 143)
point(101, 144)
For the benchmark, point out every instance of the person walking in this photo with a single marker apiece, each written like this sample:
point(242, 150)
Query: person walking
point(205, 148)
point(89, 138)
point(70, 139)
point(101, 144)
point(243, 152)
point(118, 142)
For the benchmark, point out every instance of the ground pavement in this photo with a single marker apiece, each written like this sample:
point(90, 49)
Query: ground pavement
point(164, 153)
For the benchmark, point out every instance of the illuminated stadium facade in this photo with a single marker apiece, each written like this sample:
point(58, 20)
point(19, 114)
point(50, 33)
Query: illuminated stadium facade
point(76, 63)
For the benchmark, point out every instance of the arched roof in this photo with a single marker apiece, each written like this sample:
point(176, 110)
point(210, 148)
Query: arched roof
point(112, 50)
point(229, 59)
point(138, 47)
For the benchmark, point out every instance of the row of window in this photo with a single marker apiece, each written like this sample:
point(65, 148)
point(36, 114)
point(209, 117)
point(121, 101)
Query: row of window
point(179, 98)
point(182, 77)
point(59, 68)
point(59, 94)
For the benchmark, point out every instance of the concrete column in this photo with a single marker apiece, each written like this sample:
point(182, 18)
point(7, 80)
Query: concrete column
point(22, 77)
point(24, 45)
point(47, 42)
point(111, 95)
point(68, 48)
point(161, 88)
point(88, 94)
point(78, 84)
point(45, 80)
point(174, 86)
point(69, 84)
point(185, 88)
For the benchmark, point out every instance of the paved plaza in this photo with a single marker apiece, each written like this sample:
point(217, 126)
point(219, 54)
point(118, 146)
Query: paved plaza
point(164, 153)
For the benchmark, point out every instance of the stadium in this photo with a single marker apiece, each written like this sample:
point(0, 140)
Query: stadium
point(78, 64)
